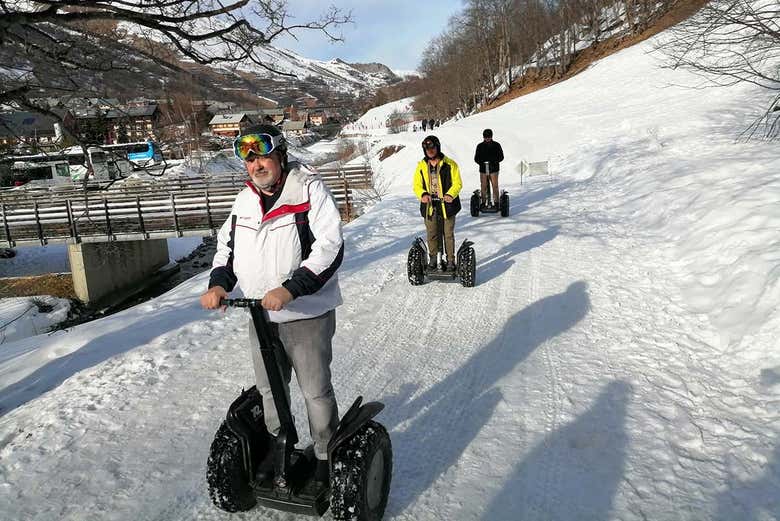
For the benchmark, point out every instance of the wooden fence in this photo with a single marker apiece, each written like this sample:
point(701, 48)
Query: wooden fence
point(138, 210)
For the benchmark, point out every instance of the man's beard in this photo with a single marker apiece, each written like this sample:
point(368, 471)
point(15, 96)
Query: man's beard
point(268, 186)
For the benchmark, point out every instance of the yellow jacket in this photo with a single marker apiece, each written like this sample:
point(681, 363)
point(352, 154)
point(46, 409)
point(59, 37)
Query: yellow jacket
point(449, 184)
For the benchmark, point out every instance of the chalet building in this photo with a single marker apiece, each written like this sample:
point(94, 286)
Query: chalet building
point(317, 118)
point(274, 116)
point(34, 130)
point(130, 124)
point(293, 128)
point(268, 116)
point(229, 125)
point(219, 107)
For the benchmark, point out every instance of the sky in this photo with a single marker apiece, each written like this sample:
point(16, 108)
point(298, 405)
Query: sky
point(389, 32)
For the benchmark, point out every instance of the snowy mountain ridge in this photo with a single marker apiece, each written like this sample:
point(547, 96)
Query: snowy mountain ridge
point(336, 74)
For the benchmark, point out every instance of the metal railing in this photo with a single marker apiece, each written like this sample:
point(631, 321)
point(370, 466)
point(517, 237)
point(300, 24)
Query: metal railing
point(139, 210)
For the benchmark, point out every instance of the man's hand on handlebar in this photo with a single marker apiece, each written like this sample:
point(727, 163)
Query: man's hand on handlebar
point(274, 300)
point(213, 297)
point(425, 199)
point(447, 198)
point(277, 298)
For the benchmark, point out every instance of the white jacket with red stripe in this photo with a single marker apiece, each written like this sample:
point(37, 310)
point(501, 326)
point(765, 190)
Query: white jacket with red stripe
point(297, 244)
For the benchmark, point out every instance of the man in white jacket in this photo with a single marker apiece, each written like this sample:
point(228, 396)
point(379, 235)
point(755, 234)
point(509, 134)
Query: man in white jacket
point(283, 244)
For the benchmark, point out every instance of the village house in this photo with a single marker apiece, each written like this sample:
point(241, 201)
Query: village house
point(229, 125)
point(317, 118)
point(34, 130)
point(130, 124)
point(270, 116)
point(293, 128)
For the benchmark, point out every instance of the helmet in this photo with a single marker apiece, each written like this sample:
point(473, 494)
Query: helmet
point(487, 133)
point(271, 130)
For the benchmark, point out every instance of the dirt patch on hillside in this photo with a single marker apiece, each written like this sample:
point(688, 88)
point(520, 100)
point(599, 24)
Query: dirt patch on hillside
point(389, 151)
point(55, 284)
point(540, 78)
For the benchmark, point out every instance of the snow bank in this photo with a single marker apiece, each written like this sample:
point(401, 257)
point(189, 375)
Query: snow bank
point(21, 317)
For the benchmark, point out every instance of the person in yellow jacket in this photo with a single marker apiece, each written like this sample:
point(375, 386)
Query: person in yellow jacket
point(438, 177)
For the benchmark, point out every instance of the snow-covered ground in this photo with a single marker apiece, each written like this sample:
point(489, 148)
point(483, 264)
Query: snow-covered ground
point(23, 317)
point(53, 258)
point(20, 317)
point(375, 121)
point(616, 360)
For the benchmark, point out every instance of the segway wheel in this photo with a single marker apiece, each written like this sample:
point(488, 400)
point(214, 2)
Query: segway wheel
point(467, 267)
point(475, 202)
point(229, 487)
point(503, 204)
point(362, 470)
point(414, 266)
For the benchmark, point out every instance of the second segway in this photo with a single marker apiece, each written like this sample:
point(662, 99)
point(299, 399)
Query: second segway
point(476, 205)
point(417, 267)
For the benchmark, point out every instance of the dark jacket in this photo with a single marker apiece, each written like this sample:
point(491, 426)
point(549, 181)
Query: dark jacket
point(488, 151)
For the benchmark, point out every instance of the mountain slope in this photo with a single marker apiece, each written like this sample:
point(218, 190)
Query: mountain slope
point(615, 361)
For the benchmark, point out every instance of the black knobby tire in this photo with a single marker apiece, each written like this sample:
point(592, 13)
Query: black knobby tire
point(475, 202)
point(467, 268)
point(229, 487)
point(504, 205)
point(414, 266)
point(362, 470)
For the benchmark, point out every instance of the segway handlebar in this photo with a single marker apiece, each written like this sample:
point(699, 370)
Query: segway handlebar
point(241, 302)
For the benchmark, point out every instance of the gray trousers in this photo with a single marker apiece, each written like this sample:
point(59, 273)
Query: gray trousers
point(309, 351)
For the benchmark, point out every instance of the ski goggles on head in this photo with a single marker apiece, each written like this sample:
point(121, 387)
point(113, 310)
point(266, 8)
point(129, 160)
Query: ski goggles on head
point(428, 144)
point(259, 144)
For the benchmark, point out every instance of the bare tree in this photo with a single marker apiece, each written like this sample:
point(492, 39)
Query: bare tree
point(42, 42)
point(50, 47)
point(734, 41)
point(484, 46)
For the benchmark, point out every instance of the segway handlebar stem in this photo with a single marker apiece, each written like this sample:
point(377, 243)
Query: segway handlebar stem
point(271, 349)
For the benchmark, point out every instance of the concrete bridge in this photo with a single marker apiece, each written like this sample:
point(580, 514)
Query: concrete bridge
point(116, 236)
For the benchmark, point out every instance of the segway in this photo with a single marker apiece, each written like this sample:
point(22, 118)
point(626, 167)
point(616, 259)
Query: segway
point(360, 456)
point(417, 261)
point(476, 205)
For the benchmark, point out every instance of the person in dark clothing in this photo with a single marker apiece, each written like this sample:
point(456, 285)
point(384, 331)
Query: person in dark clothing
point(430, 124)
point(489, 152)
point(425, 125)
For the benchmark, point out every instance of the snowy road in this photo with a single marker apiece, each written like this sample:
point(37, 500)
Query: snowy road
point(552, 390)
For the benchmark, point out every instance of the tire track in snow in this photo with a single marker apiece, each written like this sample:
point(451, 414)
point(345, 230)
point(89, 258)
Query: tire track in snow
point(429, 351)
